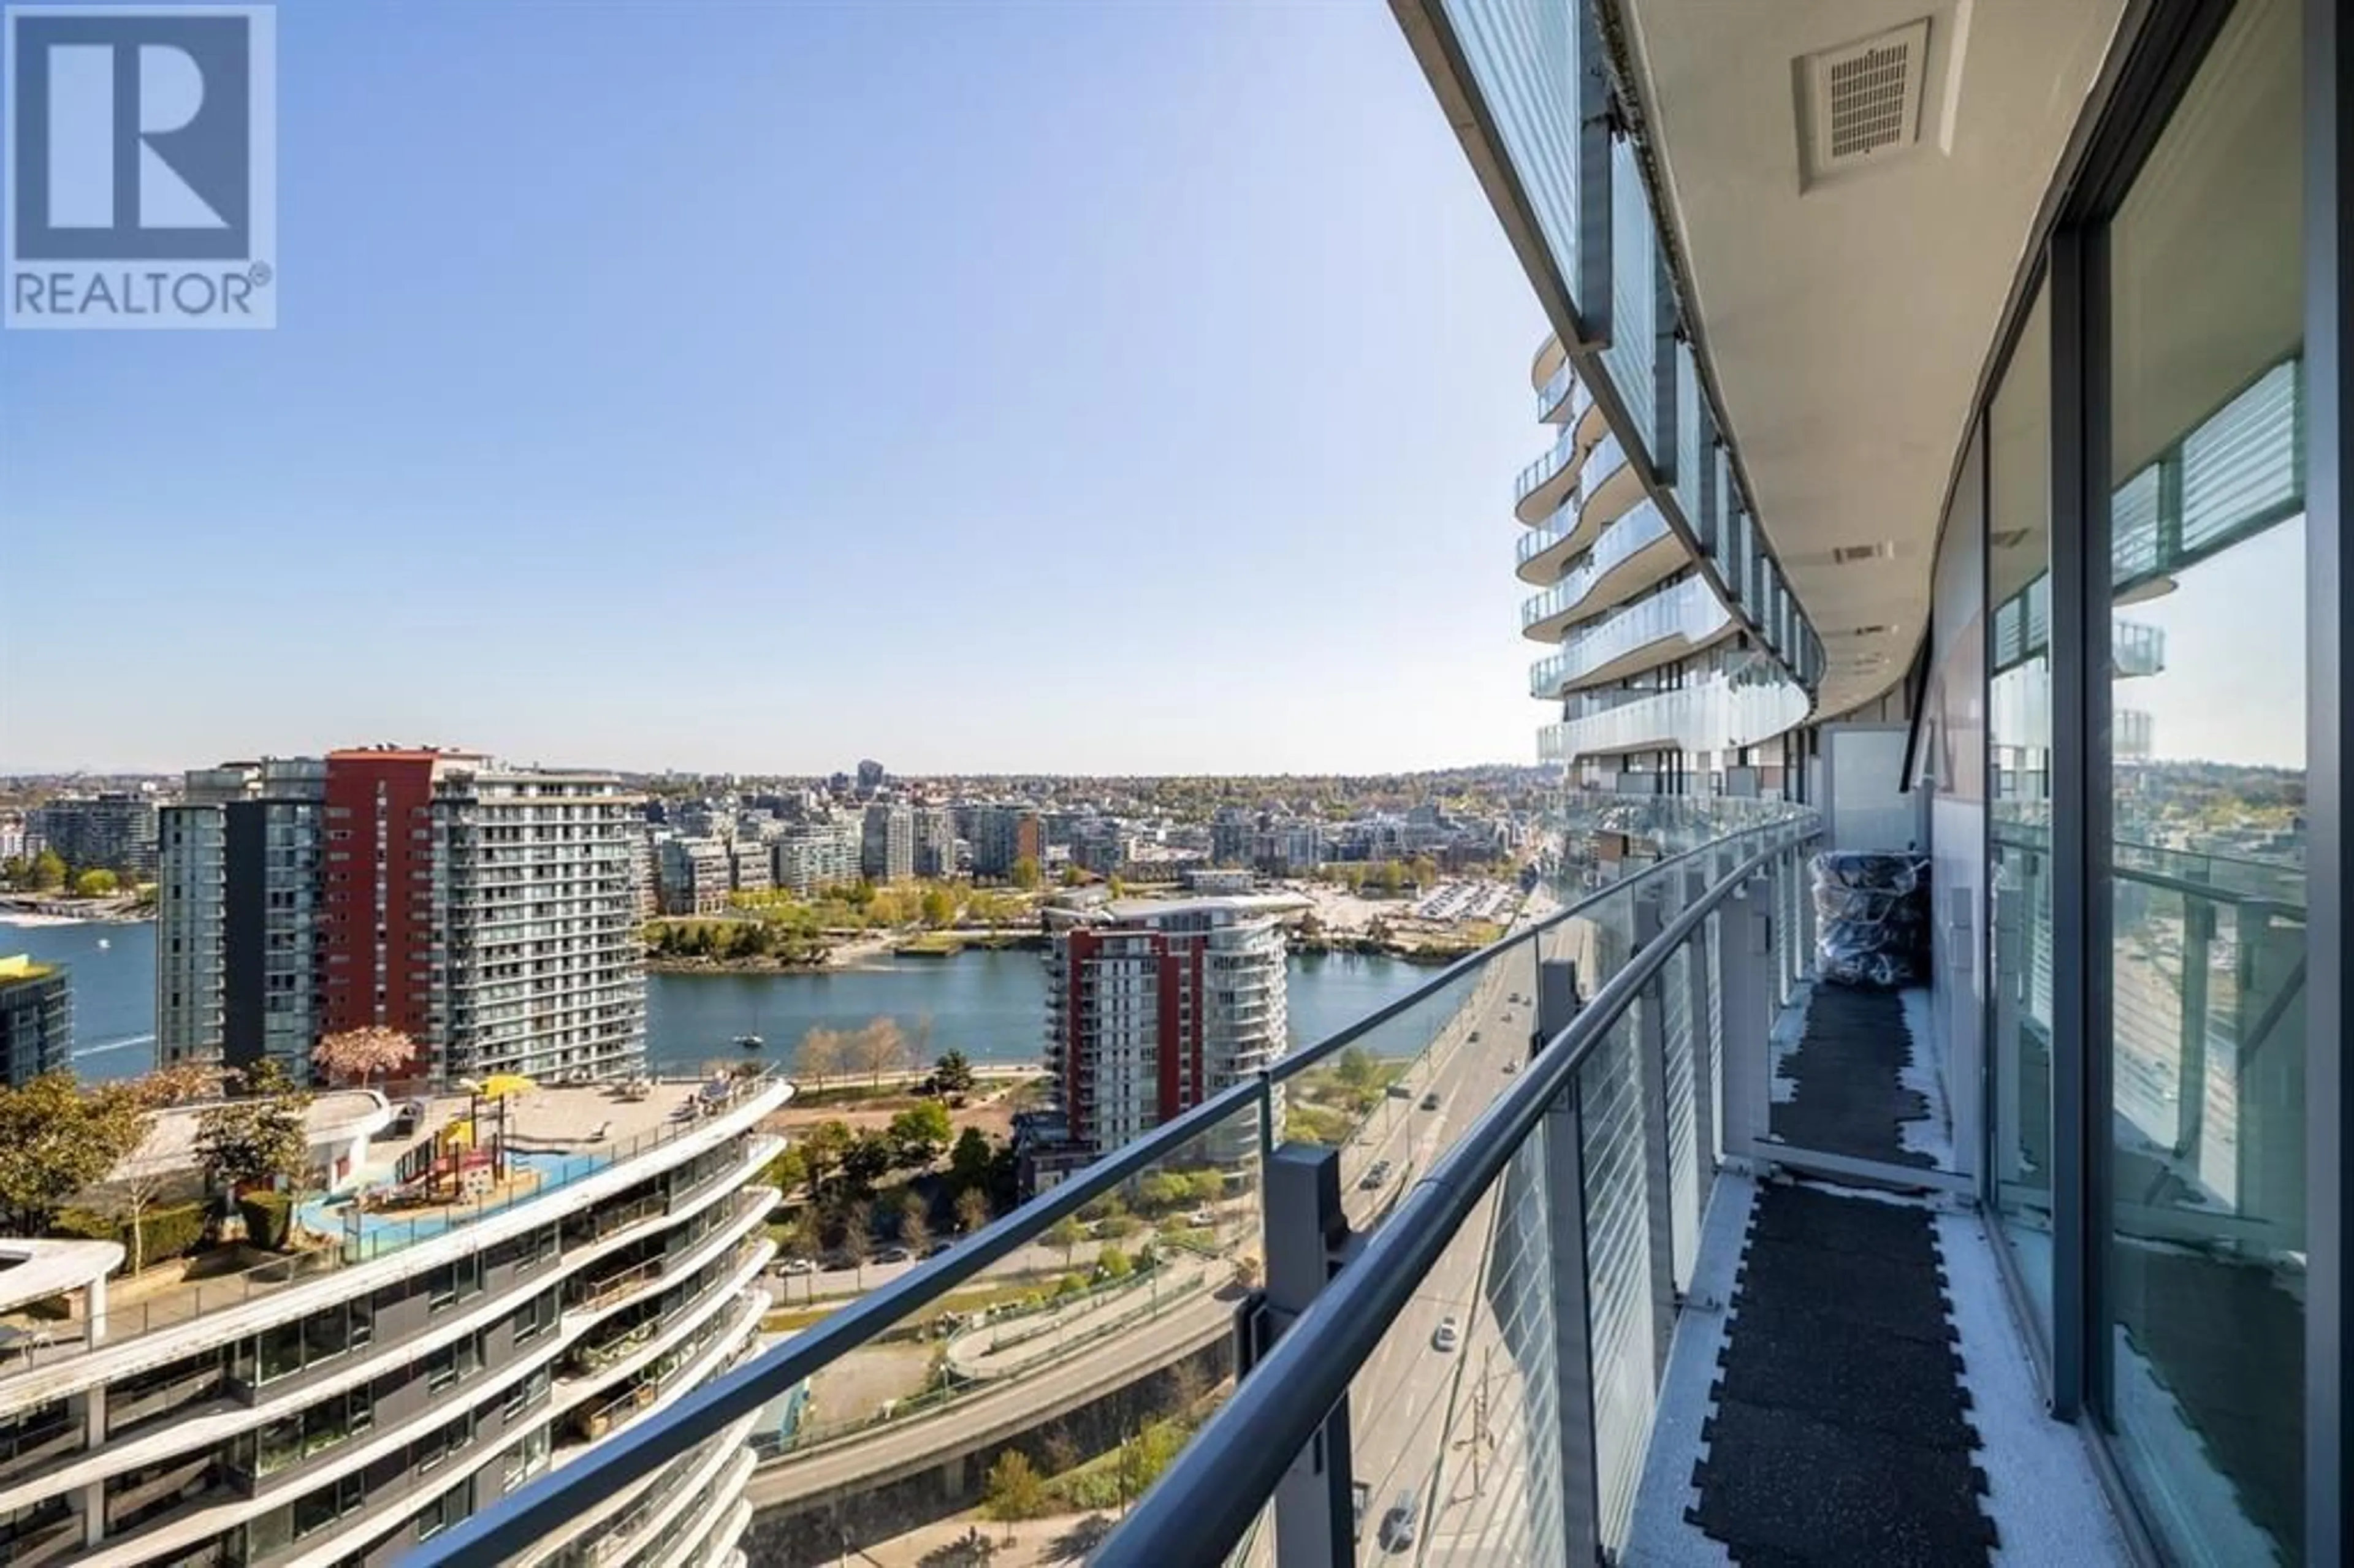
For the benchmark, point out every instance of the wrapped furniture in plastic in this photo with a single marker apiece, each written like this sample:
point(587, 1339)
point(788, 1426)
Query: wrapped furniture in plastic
point(1872, 920)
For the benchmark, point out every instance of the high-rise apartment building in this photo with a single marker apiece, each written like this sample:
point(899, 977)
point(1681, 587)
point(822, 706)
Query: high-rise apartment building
point(1661, 690)
point(750, 866)
point(236, 916)
point(413, 1374)
point(111, 830)
point(1004, 835)
point(484, 911)
point(36, 1019)
point(696, 875)
point(936, 840)
point(886, 850)
point(813, 856)
point(1153, 1007)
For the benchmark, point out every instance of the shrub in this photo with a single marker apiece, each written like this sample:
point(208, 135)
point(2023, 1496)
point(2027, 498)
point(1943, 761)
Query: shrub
point(169, 1229)
point(268, 1219)
point(85, 1225)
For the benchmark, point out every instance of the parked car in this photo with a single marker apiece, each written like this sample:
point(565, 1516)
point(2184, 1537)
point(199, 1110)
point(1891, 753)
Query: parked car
point(1511, 1066)
point(1398, 1524)
point(1202, 1219)
point(938, 1247)
point(891, 1254)
point(1399, 1092)
point(794, 1267)
point(1448, 1334)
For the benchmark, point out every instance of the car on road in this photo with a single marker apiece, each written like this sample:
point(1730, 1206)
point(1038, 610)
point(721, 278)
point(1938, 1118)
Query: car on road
point(1511, 1066)
point(1398, 1524)
point(1430, 1100)
point(1514, 999)
point(1447, 1335)
point(1399, 1092)
point(1375, 1174)
point(1361, 1495)
point(1474, 1037)
point(793, 1267)
point(1202, 1219)
point(893, 1254)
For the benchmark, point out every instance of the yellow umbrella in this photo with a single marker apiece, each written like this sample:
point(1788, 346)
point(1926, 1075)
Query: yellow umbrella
point(499, 1085)
point(459, 1135)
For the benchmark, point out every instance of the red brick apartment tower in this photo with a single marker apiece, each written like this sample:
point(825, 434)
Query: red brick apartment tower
point(376, 894)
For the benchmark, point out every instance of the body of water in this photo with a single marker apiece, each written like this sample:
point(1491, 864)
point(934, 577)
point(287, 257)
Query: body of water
point(989, 1005)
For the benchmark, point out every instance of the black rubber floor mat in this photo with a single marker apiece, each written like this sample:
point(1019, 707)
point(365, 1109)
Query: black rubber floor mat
point(1841, 1432)
point(1893, 1297)
point(1849, 1373)
point(1849, 1096)
point(1812, 1218)
point(1808, 1492)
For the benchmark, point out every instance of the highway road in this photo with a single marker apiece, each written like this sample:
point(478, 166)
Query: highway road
point(896, 1447)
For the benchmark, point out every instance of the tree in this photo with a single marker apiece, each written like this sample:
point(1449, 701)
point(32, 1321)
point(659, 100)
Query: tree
point(800, 1234)
point(788, 1171)
point(919, 1134)
point(1013, 1491)
point(56, 1139)
point(1074, 877)
point(95, 882)
point(938, 906)
point(858, 1236)
point(822, 1148)
point(822, 1054)
point(260, 1139)
point(972, 1210)
point(16, 871)
point(868, 1159)
point(969, 1160)
point(1114, 1263)
point(953, 1076)
point(1026, 872)
point(879, 1048)
point(137, 1186)
point(48, 871)
point(914, 1222)
point(362, 1054)
point(1067, 1233)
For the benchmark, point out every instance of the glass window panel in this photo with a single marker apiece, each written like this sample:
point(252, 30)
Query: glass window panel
point(2206, 1239)
point(2019, 736)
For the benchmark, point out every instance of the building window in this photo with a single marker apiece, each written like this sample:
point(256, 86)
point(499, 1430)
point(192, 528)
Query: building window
point(2206, 944)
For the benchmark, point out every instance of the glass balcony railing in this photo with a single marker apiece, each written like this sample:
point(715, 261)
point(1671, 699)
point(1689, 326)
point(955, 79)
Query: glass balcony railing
point(1154, 1248)
point(1602, 465)
point(1680, 618)
point(1725, 711)
point(1563, 399)
point(1562, 454)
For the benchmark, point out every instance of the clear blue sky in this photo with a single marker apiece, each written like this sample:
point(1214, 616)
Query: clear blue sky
point(760, 387)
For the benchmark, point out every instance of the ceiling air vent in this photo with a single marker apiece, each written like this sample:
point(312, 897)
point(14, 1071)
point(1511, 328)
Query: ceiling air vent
point(1869, 630)
point(1863, 100)
point(1849, 554)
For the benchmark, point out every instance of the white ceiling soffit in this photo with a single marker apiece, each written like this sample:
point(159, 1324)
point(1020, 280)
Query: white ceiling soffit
point(1853, 184)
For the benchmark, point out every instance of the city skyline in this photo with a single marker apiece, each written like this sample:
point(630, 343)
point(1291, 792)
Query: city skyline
point(1067, 357)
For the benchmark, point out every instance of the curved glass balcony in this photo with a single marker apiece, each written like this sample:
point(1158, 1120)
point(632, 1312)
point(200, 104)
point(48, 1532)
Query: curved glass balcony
point(1563, 399)
point(1632, 554)
point(1650, 631)
point(1549, 483)
point(1715, 714)
point(1610, 486)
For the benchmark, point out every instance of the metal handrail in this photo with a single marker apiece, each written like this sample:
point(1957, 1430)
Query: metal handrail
point(539, 1508)
point(1208, 1499)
